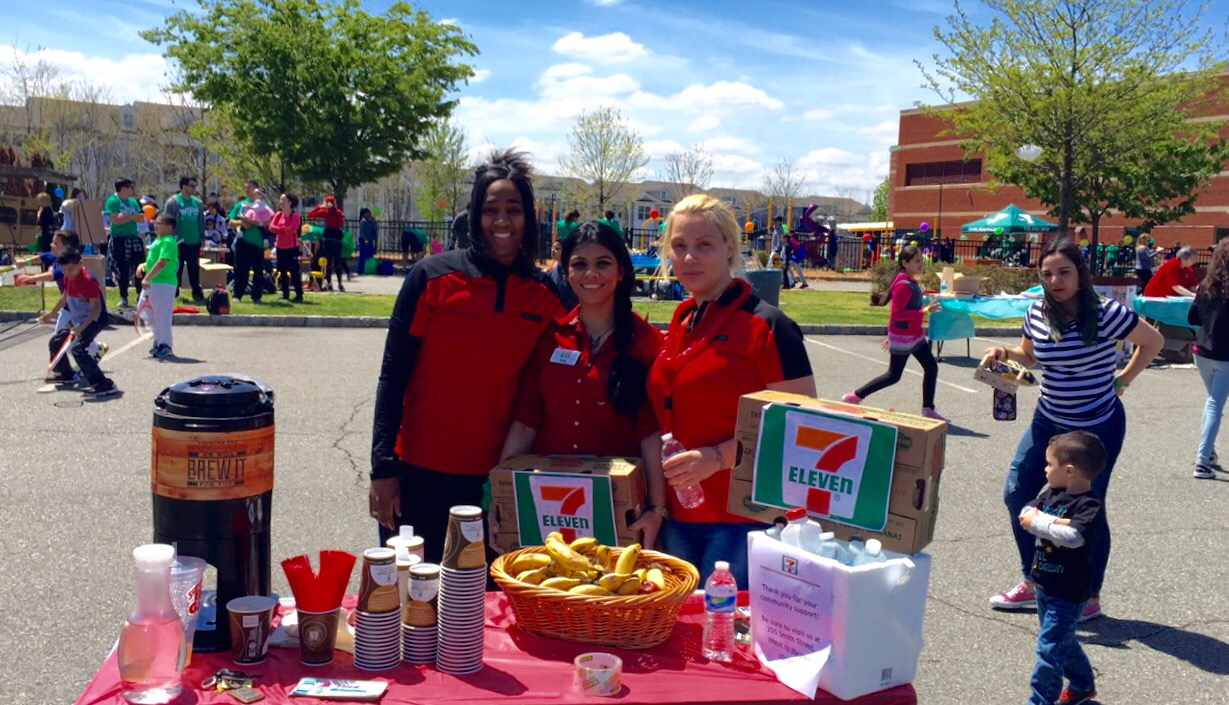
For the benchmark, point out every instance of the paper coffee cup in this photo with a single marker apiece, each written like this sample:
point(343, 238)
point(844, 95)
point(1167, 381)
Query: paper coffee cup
point(464, 542)
point(317, 637)
point(251, 624)
point(378, 591)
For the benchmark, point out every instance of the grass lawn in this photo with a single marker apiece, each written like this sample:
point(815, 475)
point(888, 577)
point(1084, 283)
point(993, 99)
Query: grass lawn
point(811, 306)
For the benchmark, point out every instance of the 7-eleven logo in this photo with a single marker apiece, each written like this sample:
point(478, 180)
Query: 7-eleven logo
point(835, 451)
point(564, 505)
point(823, 462)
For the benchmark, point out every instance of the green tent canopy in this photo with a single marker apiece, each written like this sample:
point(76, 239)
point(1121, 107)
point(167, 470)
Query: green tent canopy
point(1010, 220)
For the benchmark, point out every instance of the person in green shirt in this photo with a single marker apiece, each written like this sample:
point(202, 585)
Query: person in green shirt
point(249, 247)
point(613, 223)
point(125, 247)
point(188, 211)
point(160, 282)
point(567, 226)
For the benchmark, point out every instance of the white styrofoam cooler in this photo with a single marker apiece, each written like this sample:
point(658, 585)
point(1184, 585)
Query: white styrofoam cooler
point(876, 619)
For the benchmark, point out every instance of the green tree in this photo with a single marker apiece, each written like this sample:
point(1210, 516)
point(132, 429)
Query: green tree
point(1106, 89)
point(441, 172)
point(605, 152)
point(340, 96)
point(879, 206)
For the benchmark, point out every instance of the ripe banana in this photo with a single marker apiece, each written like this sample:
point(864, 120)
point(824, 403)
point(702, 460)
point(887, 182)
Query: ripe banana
point(631, 586)
point(560, 583)
point(565, 556)
point(612, 581)
point(584, 545)
point(528, 561)
point(656, 578)
point(533, 577)
point(596, 590)
point(602, 558)
point(627, 559)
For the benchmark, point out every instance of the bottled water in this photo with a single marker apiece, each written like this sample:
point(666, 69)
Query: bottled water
point(791, 535)
point(151, 647)
point(855, 550)
point(720, 596)
point(689, 497)
point(827, 546)
point(872, 553)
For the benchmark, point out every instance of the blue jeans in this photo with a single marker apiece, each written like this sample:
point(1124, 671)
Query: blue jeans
point(1027, 477)
point(703, 545)
point(1058, 651)
point(1215, 376)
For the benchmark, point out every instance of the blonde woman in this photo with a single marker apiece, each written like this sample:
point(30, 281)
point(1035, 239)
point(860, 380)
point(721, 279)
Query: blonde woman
point(723, 342)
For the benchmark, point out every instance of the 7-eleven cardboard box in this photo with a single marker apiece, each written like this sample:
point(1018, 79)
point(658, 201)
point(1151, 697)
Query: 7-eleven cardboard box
point(578, 496)
point(832, 458)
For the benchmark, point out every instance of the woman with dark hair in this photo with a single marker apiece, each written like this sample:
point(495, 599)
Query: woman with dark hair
point(906, 334)
point(461, 331)
point(367, 234)
point(1211, 313)
point(1073, 334)
point(583, 391)
point(286, 226)
point(46, 222)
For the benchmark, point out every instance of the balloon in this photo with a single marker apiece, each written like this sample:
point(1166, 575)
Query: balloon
point(749, 227)
point(964, 237)
point(654, 215)
point(377, 212)
point(59, 192)
point(923, 227)
point(305, 229)
point(442, 203)
point(1128, 240)
point(1084, 242)
point(149, 211)
point(998, 231)
point(867, 237)
point(913, 243)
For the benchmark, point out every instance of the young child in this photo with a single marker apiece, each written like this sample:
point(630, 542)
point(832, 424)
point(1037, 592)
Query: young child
point(83, 300)
point(1066, 519)
point(62, 240)
point(158, 285)
point(258, 210)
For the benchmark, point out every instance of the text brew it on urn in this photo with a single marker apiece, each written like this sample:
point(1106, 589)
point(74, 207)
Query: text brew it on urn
point(211, 475)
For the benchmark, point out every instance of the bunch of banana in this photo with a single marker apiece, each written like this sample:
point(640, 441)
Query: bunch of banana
point(585, 567)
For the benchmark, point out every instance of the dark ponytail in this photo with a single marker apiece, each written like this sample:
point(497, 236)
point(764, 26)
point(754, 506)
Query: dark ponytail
point(906, 254)
point(625, 385)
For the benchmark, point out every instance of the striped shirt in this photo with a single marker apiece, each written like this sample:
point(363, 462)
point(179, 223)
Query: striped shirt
point(1077, 387)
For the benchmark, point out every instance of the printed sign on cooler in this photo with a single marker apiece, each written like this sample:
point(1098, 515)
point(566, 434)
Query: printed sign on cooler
point(577, 506)
point(836, 467)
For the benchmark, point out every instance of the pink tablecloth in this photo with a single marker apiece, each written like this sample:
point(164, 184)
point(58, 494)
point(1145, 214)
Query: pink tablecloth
point(520, 668)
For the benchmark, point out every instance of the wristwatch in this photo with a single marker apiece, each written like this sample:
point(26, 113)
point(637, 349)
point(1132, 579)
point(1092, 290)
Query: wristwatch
point(659, 511)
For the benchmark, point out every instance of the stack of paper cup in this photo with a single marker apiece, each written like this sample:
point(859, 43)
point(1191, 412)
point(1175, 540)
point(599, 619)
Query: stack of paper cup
point(419, 626)
point(377, 621)
point(462, 592)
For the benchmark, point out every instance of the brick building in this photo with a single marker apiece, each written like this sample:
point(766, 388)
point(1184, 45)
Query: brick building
point(931, 181)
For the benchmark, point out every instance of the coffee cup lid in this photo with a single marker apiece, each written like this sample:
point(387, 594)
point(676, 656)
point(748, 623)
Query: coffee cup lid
point(252, 604)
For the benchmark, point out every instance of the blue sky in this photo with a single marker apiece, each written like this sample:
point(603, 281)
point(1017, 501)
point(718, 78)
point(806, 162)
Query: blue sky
point(821, 82)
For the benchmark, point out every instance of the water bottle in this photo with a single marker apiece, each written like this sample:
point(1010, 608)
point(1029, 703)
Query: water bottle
point(872, 553)
point(791, 535)
point(828, 547)
point(151, 647)
point(688, 497)
point(856, 548)
point(720, 596)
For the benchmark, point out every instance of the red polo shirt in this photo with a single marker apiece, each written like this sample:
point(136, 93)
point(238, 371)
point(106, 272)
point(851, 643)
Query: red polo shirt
point(460, 333)
point(1170, 274)
point(563, 392)
point(332, 217)
point(713, 354)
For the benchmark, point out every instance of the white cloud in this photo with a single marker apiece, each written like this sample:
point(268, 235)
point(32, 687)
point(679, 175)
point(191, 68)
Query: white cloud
point(575, 83)
point(452, 21)
point(124, 80)
point(724, 94)
point(827, 157)
point(479, 76)
point(731, 145)
point(657, 149)
point(817, 114)
point(887, 128)
point(737, 170)
point(704, 123)
point(613, 48)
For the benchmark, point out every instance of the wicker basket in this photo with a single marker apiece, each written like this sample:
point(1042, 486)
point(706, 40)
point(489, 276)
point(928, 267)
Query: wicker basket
point(631, 622)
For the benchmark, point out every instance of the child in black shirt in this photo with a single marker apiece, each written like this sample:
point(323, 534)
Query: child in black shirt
point(1064, 518)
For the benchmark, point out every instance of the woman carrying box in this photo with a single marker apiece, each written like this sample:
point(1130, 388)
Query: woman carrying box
point(723, 342)
point(583, 390)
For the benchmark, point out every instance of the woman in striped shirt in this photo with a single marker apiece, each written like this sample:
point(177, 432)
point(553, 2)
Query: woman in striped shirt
point(1073, 335)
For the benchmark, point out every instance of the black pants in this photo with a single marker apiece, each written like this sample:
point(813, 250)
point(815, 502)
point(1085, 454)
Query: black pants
point(332, 251)
point(288, 270)
point(190, 257)
point(80, 352)
point(249, 257)
point(125, 255)
point(896, 368)
point(426, 497)
point(1144, 276)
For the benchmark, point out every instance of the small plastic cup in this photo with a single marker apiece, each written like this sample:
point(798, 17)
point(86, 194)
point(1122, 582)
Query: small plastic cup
point(186, 575)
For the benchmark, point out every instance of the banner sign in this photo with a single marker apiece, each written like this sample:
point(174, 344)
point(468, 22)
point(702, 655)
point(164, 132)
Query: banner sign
point(837, 467)
point(577, 506)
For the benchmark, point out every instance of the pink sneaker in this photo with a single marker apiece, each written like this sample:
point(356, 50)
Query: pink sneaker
point(1020, 597)
point(1092, 610)
point(930, 413)
point(851, 398)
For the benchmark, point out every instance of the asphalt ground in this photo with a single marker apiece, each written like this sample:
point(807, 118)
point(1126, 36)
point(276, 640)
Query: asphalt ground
point(76, 500)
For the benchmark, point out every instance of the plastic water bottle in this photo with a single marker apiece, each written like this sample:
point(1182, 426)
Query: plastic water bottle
point(828, 547)
point(688, 497)
point(791, 535)
point(856, 547)
point(720, 597)
point(872, 553)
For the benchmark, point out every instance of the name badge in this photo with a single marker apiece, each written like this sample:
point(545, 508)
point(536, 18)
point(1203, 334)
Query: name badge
point(565, 357)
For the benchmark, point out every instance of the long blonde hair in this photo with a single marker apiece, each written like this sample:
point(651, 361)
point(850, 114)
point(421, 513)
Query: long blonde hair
point(719, 215)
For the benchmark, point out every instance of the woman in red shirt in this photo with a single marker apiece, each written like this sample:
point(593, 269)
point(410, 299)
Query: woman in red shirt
point(285, 228)
point(334, 223)
point(583, 390)
point(1176, 277)
point(724, 342)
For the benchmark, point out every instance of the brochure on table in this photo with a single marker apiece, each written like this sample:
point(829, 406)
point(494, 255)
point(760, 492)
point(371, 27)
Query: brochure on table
point(578, 506)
